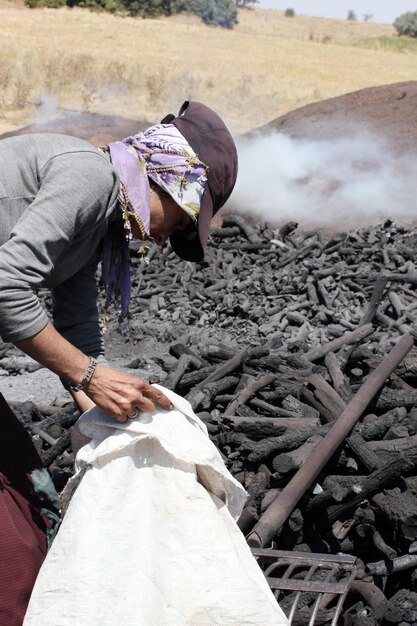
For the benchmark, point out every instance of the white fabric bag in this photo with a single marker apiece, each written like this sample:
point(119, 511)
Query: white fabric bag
point(149, 537)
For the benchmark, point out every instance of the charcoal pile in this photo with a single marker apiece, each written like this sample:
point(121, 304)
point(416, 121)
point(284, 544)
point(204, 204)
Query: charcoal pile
point(272, 339)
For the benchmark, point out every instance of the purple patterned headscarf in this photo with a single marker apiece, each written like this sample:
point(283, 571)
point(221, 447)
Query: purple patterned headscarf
point(164, 155)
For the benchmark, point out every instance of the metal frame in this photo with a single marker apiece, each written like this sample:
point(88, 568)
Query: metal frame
point(323, 579)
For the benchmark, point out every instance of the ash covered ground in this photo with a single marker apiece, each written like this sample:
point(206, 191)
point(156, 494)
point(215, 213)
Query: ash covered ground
point(254, 288)
point(269, 339)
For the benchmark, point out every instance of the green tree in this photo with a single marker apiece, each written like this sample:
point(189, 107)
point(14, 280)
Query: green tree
point(148, 8)
point(51, 4)
point(351, 15)
point(220, 13)
point(244, 4)
point(289, 13)
point(214, 12)
point(406, 24)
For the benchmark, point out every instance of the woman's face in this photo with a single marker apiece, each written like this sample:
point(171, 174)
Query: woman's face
point(166, 216)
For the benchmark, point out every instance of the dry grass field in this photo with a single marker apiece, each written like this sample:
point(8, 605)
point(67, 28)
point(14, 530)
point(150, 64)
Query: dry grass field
point(266, 66)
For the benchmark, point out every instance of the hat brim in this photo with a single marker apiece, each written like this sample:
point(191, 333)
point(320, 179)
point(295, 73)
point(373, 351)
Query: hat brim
point(193, 250)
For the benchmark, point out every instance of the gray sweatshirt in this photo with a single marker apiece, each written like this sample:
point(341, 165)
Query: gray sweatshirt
point(57, 196)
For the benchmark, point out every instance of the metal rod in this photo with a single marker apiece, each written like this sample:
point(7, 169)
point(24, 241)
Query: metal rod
point(281, 508)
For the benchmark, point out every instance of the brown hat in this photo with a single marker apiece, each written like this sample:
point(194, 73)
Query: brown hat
point(208, 136)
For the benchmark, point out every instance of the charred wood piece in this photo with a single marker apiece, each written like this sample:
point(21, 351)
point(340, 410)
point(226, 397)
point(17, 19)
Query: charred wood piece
point(281, 508)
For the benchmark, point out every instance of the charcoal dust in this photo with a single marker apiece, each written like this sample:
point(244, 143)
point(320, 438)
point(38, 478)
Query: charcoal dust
point(270, 339)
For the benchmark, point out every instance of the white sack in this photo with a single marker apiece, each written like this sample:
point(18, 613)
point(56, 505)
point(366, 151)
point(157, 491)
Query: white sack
point(149, 537)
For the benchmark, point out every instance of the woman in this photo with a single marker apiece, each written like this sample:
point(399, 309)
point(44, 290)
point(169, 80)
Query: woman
point(66, 204)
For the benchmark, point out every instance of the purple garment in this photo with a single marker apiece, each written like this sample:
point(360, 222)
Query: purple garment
point(162, 154)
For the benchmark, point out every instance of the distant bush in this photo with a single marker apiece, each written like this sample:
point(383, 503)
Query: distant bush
point(244, 4)
point(289, 13)
point(220, 13)
point(51, 4)
point(105, 5)
point(406, 24)
point(145, 8)
point(214, 12)
point(351, 15)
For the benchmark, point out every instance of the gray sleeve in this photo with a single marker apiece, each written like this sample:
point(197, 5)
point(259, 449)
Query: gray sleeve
point(75, 312)
point(74, 200)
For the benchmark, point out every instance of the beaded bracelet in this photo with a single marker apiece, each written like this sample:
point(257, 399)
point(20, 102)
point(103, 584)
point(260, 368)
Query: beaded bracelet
point(87, 376)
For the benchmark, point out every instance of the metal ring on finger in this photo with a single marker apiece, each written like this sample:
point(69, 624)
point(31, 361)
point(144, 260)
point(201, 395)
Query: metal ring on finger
point(132, 417)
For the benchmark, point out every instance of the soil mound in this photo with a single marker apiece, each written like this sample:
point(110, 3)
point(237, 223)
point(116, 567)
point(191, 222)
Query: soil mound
point(94, 127)
point(388, 110)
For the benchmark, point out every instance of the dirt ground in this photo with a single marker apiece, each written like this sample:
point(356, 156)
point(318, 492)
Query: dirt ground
point(389, 110)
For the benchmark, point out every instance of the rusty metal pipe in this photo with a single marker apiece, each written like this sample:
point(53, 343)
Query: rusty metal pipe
point(281, 508)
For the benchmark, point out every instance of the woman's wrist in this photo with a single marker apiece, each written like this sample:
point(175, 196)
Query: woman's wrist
point(88, 374)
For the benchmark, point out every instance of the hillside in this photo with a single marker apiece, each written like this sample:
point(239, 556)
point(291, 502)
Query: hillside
point(266, 66)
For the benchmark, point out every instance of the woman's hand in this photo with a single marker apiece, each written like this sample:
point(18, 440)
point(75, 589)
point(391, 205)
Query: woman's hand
point(124, 395)
point(116, 392)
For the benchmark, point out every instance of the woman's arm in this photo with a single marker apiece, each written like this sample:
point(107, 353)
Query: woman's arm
point(75, 310)
point(114, 391)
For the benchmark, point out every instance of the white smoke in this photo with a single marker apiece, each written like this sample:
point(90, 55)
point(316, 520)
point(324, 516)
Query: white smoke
point(346, 182)
point(46, 108)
